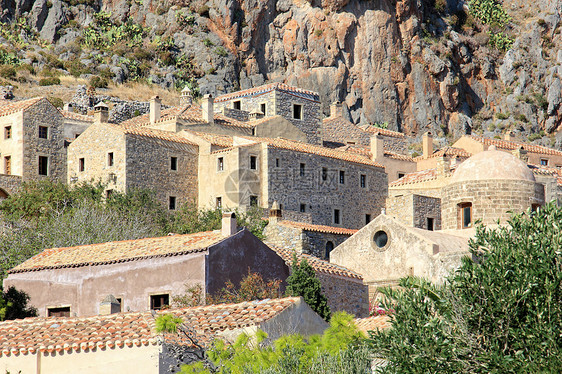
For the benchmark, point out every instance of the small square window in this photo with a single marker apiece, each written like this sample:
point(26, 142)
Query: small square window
point(363, 181)
point(263, 108)
point(43, 165)
point(172, 203)
point(337, 216)
point(159, 301)
point(301, 172)
point(400, 175)
point(237, 105)
point(276, 162)
point(108, 193)
point(324, 174)
point(342, 177)
point(43, 132)
point(81, 164)
point(253, 162)
point(544, 162)
point(430, 224)
point(303, 208)
point(367, 218)
point(173, 163)
point(253, 200)
point(7, 132)
point(297, 111)
point(110, 159)
point(58, 312)
point(8, 165)
point(219, 203)
point(220, 164)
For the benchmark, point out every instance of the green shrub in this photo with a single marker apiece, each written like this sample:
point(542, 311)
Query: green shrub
point(98, 82)
point(500, 115)
point(203, 11)
point(208, 43)
point(56, 101)
point(7, 72)
point(221, 51)
point(49, 81)
point(318, 33)
point(521, 117)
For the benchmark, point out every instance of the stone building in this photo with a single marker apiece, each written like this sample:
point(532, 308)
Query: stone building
point(74, 123)
point(126, 158)
point(386, 250)
point(430, 157)
point(300, 107)
point(110, 343)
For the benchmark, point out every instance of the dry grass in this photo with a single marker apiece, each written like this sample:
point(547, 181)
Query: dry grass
point(142, 92)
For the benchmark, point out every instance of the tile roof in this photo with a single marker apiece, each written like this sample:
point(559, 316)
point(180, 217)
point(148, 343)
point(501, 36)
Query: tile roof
point(76, 116)
point(58, 334)
point(373, 323)
point(154, 134)
point(214, 139)
point(121, 251)
point(415, 177)
point(8, 107)
point(366, 150)
point(318, 228)
point(305, 94)
point(294, 145)
point(512, 145)
point(547, 170)
point(320, 266)
point(383, 132)
point(449, 151)
point(188, 113)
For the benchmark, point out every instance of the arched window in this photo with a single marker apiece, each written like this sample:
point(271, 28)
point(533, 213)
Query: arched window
point(464, 215)
point(329, 248)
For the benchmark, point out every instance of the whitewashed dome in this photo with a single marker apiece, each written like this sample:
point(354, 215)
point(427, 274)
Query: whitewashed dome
point(492, 165)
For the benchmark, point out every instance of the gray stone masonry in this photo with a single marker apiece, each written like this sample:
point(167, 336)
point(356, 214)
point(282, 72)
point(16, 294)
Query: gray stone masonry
point(9, 184)
point(425, 207)
point(345, 294)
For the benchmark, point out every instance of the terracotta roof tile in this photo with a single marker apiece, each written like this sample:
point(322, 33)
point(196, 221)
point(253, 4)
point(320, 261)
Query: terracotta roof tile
point(415, 177)
point(366, 150)
point(76, 116)
point(449, 151)
point(154, 133)
point(310, 95)
point(373, 323)
point(383, 132)
point(8, 107)
point(318, 228)
point(512, 145)
point(214, 139)
point(121, 251)
point(317, 264)
point(58, 334)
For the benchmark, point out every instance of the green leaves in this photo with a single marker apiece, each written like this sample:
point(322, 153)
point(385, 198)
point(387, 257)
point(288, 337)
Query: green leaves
point(167, 323)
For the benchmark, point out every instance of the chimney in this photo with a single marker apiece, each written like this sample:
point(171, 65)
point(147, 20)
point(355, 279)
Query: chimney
point(275, 213)
point(509, 136)
point(109, 305)
point(256, 114)
point(101, 112)
point(336, 109)
point(377, 147)
point(69, 107)
point(520, 153)
point(207, 106)
point(427, 144)
point(443, 165)
point(186, 96)
point(155, 105)
point(229, 226)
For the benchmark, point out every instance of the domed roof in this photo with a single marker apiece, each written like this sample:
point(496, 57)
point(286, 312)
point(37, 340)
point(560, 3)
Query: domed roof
point(492, 164)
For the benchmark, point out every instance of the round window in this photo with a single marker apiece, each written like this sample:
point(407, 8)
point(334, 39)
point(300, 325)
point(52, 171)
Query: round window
point(380, 239)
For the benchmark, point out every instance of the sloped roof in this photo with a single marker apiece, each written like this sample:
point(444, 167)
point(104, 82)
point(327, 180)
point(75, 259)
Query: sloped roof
point(215, 139)
point(415, 177)
point(76, 116)
point(366, 150)
point(512, 145)
point(154, 134)
point(120, 251)
point(319, 266)
point(58, 334)
point(318, 228)
point(384, 132)
point(448, 151)
point(305, 94)
point(8, 107)
point(373, 323)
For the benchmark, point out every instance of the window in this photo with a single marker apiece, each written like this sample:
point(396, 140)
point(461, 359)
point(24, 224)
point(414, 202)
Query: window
point(263, 107)
point(81, 164)
point(43, 165)
point(253, 162)
point(43, 132)
point(7, 132)
point(302, 170)
point(276, 162)
point(430, 224)
point(173, 163)
point(172, 203)
point(367, 218)
point(253, 200)
point(303, 208)
point(159, 301)
point(219, 203)
point(363, 181)
point(465, 215)
point(329, 248)
point(236, 105)
point(220, 164)
point(297, 111)
point(120, 301)
point(337, 216)
point(544, 161)
point(380, 239)
point(324, 174)
point(77, 135)
point(400, 175)
point(8, 165)
point(342, 177)
point(110, 159)
point(108, 193)
point(58, 312)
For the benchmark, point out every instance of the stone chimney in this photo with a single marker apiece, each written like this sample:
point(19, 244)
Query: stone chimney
point(427, 144)
point(275, 214)
point(69, 107)
point(256, 114)
point(443, 165)
point(377, 147)
point(155, 106)
point(208, 110)
point(336, 109)
point(509, 136)
point(520, 153)
point(186, 96)
point(109, 305)
point(101, 112)
point(229, 226)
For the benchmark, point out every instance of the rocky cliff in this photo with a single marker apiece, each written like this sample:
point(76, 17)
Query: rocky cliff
point(416, 65)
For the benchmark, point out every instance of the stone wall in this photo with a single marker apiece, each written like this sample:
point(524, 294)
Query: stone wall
point(310, 122)
point(345, 294)
point(401, 208)
point(491, 200)
point(321, 197)
point(240, 115)
point(9, 184)
point(425, 207)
